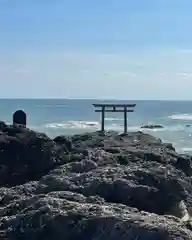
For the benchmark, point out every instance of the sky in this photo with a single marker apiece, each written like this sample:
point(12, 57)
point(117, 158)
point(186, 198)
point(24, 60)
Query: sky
point(112, 49)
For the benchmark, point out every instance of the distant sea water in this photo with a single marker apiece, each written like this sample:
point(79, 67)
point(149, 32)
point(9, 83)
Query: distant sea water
point(66, 117)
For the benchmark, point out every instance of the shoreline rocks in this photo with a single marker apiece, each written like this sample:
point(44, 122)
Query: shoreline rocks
point(152, 126)
point(100, 185)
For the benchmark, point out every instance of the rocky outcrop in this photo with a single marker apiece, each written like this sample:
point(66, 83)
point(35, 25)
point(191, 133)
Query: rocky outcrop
point(25, 155)
point(152, 126)
point(98, 185)
point(74, 216)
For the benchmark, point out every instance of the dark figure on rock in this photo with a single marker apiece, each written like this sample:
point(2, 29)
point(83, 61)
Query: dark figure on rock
point(20, 118)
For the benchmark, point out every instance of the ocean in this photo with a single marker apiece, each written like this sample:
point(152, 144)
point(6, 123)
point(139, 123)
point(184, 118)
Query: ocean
point(65, 117)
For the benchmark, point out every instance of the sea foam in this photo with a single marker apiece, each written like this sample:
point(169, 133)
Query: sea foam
point(184, 117)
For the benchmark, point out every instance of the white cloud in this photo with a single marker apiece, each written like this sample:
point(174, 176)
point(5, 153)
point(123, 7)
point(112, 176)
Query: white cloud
point(184, 75)
point(149, 74)
point(130, 74)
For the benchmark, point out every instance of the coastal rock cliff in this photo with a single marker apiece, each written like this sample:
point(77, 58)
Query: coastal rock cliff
point(92, 186)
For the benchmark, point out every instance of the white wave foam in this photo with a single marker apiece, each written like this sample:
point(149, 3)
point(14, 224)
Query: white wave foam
point(119, 127)
point(187, 149)
point(184, 150)
point(114, 119)
point(184, 117)
point(73, 124)
point(94, 125)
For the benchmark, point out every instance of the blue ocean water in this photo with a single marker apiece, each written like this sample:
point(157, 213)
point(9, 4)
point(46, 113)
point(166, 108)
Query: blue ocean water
point(60, 116)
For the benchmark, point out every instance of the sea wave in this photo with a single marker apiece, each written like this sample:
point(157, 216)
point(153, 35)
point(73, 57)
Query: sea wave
point(73, 124)
point(187, 149)
point(94, 125)
point(184, 150)
point(184, 117)
point(114, 119)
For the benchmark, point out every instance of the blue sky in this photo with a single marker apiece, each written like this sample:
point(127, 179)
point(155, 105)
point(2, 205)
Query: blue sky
point(139, 49)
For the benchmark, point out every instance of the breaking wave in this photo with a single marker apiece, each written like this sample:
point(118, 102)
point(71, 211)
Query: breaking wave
point(114, 119)
point(94, 125)
point(187, 149)
point(185, 117)
point(73, 124)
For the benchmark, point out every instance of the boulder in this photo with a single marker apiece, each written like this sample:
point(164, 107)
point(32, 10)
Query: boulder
point(24, 154)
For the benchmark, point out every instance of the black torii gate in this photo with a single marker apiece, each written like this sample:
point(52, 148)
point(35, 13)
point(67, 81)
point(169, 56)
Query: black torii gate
point(114, 108)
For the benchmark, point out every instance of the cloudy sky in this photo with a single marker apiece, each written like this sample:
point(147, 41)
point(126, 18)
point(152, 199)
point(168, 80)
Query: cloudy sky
point(120, 49)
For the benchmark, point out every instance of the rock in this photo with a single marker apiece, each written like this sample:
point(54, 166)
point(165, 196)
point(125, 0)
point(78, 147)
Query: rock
point(24, 154)
point(65, 141)
point(154, 191)
point(152, 126)
point(180, 210)
point(184, 163)
point(73, 216)
point(99, 185)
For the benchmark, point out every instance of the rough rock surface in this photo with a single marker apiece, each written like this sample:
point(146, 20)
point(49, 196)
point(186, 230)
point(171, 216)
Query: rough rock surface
point(92, 186)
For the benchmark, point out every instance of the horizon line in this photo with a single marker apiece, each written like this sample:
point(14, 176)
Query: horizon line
point(99, 99)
